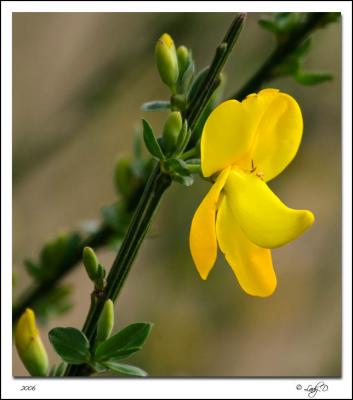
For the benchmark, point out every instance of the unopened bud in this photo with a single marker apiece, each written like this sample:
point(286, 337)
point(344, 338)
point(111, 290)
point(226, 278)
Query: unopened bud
point(106, 321)
point(167, 61)
point(29, 345)
point(171, 130)
point(124, 177)
point(90, 262)
point(183, 59)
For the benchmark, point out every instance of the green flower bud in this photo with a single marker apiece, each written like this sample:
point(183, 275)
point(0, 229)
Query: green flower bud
point(124, 177)
point(183, 59)
point(171, 130)
point(90, 262)
point(106, 321)
point(167, 61)
point(29, 345)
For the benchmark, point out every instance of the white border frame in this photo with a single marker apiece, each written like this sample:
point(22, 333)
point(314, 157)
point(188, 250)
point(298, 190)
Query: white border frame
point(265, 388)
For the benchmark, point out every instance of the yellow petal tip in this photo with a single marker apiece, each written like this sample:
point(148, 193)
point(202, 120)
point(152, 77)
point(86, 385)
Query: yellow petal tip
point(203, 276)
point(308, 218)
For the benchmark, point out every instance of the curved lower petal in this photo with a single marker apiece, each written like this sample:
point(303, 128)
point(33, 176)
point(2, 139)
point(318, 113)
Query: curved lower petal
point(252, 265)
point(203, 242)
point(264, 219)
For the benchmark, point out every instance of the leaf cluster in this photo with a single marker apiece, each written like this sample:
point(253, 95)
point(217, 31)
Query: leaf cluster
point(73, 347)
point(285, 25)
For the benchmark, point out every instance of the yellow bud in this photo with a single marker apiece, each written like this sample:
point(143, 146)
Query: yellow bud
point(29, 345)
point(171, 130)
point(106, 321)
point(167, 61)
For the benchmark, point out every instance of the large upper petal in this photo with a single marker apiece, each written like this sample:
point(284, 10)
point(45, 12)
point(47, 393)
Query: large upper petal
point(264, 219)
point(227, 136)
point(252, 265)
point(265, 128)
point(278, 134)
point(203, 242)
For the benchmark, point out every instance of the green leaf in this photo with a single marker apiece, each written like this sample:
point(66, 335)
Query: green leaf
point(329, 18)
point(187, 77)
point(183, 138)
point(124, 353)
point(71, 345)
point(56, 302)
point(194, 165)
point(155, 105)
point(303, 49)
point(55, 255)
point(33, 269)
point(289, 67)
point(184, 180)
point(286, 21)
point(98, 367)
point(151, 142)
point(58, 370)
point(124, 369)
point(124, 343)
point(312, 78)
point(268, 24)
point(116, 216)
point(178, 170)
point(193, 161)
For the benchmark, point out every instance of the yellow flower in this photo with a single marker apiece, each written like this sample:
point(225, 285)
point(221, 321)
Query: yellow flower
point(247, 144)
point(29, 345)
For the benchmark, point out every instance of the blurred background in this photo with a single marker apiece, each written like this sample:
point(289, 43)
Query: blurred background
point(78, 82)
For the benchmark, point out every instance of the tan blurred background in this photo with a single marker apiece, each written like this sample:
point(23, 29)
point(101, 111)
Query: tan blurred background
point(78, 82)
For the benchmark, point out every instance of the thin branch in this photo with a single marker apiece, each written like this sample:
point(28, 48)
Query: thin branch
point(38, 291)
point(284, 49)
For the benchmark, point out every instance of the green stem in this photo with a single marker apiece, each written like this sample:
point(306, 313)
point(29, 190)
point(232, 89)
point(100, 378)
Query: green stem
point(267, 71)
point(155, 187)
point(212, 79)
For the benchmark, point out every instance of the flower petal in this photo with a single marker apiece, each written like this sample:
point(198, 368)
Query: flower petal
point(203, 242)
point(264, 219)
point(278, 134)
point(265, 128)
point(226, 137)
point(252, 265)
